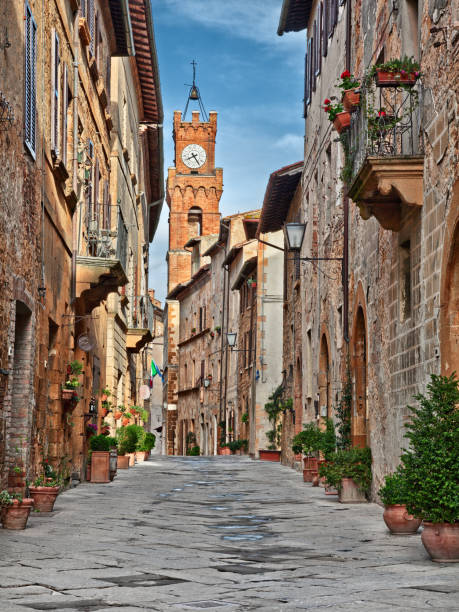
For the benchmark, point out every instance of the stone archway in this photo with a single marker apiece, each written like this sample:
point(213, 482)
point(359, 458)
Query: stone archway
point(449, 312)
point(359, 418)
point(324, 379)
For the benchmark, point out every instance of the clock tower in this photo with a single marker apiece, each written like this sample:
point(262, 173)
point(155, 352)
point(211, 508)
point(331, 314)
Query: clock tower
point(194, 189)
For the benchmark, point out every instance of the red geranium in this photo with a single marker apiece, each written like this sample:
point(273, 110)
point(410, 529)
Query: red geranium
point(327, 101)
point(345, 74)
point(381, 113)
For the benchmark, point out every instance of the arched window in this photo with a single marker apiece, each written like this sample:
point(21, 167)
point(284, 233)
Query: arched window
point(194, 222)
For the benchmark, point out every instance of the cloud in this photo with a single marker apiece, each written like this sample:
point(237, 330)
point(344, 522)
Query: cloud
point(291, 141)
point(254, 20)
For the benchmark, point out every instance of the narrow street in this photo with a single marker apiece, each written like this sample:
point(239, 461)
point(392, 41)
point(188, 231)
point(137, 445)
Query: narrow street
point(223, 533)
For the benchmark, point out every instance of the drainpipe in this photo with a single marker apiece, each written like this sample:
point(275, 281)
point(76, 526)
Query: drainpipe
point(345, 262)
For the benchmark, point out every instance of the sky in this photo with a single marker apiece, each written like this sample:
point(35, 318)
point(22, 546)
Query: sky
point(247, 73)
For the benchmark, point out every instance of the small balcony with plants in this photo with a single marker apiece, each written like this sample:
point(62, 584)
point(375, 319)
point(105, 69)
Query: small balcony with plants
point(140, 323)
point(379, 126)
point(383, 147)
point(101, 262)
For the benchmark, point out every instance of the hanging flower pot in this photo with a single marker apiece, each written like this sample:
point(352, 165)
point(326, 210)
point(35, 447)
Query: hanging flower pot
point(103, 412)
point(67, 395)
point(342, 121)
point(125, 421)
point(351, 100)
point(117, 415)
point(384, 78)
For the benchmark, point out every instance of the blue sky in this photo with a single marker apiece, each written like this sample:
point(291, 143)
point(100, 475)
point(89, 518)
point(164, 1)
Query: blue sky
point(248, 74)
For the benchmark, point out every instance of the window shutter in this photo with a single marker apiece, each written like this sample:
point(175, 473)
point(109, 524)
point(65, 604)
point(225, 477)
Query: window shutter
point(84, 10)
point(325, 28)
point(91, 23)
point(313, 59)
point(104, 206)
point(65, 105)
point(331, 13)
point(306, 98)
point(30, 81)
point(335, 12)
point(96, 189)
point(319, 41)
point(55, 93)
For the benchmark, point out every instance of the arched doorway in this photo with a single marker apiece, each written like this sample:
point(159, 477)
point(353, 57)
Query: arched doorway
point(449, 318)
point(297, 397)
point(324, 379)
point(359, 419)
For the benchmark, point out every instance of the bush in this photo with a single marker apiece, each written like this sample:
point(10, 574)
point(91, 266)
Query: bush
point(146, 441)
point(354, 463)
point(307, 441)
point(112, 442)
point(430, 465)
point(194, 451)
point(394, 492)
point(99, 443)
point(328, 439)
point(127, 439)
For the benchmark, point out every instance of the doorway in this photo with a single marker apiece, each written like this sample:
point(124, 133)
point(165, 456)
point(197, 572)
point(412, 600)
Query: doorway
point(359, 420)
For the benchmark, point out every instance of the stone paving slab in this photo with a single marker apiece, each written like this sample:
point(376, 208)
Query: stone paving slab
point(216, 534)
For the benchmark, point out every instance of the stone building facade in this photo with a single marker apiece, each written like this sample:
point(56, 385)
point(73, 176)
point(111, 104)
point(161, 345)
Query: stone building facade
point(392, 216)
point(63, 243)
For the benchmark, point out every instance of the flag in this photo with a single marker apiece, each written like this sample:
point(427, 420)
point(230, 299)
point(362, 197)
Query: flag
point(155, 370)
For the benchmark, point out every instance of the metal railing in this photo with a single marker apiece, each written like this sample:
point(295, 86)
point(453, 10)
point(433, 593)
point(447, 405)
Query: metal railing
point(386, 124)
point(104, 242)
point(140, 315)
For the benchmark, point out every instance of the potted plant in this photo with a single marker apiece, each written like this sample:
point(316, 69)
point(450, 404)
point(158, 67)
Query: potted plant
point(349, 471)
point(145, 442)
point(127, 439)
point(350, 87)
point(194, 451)
point(235, 446)
point(127, 416)
point(245, 417)
point(100, 458)
point(218, 329)
point(45, 488)
point(74, 369)
point(193, 331)
point(430, 466)
point(340, 118)
point(14, 510)
point(113, 446)
point(396, 72)
point(273, 409)
point(393, 495)
point(308, 442)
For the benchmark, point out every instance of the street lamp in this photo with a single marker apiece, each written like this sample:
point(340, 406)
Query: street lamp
point(206, 383)
point(231, 339)
point(294, 233)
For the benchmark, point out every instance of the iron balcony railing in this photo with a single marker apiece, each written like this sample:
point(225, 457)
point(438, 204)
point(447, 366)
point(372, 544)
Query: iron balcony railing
point(140, 315)
point(386, 124)
point(104, 242)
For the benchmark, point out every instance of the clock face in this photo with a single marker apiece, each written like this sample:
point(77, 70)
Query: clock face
point(193, 156)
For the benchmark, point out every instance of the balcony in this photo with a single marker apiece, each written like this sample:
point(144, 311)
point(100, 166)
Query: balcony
point(101, 262)
point(140, 323)
point(384, 154)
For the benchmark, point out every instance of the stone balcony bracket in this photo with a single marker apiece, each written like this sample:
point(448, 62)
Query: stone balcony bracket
point(136, 339)
point(96, 278)
point(384, 185)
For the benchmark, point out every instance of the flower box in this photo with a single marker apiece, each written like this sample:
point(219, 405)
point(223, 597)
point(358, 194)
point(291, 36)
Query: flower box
point(392, 79)
point(100, 466)
point(123, 462)
point(342, 121)
point(351, 100)
point(270, 455)
point(67, 394)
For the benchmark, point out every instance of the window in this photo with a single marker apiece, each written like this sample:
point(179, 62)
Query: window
point(55, 61)
point(325, 13)
point(30, 81)
point(405, 281)
point(200, 319)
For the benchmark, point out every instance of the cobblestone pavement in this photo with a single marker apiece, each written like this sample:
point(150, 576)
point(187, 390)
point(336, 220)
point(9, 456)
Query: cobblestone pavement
point(217, 534)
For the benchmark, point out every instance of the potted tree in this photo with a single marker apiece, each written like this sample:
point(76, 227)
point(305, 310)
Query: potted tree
point(127, 439)
point(308, 442)
point(100, 458)
point(430, 467)
point(273, 409)
point(393, 495)
point(349, 471)
point(145, 442)
point(14, 510)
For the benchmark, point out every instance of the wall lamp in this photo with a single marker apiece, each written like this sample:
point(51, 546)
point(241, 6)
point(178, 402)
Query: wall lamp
point(231, 342)
point(206, 383)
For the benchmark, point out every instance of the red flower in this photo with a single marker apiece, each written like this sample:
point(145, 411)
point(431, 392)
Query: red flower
point(345, 74)
point(327, 109)
point(381, 113)
point(327, 101)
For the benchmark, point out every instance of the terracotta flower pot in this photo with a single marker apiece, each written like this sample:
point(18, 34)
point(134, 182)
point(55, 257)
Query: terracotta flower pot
point(104, 398)
point(44, 497)
point(125, 421)
point(141, 456)
point(350, 493)
point(103, 412)
point(351, 100)
point(342, 121)
point(399, 522)
point(224, 451)
point(117, 415)
point(441, 540)
point(131, 457)
point(100, 466)
point(67, 394)
point(310, 466)
point(270, 455)
point(16, 515)
point(392, 79)
point(123, 462)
